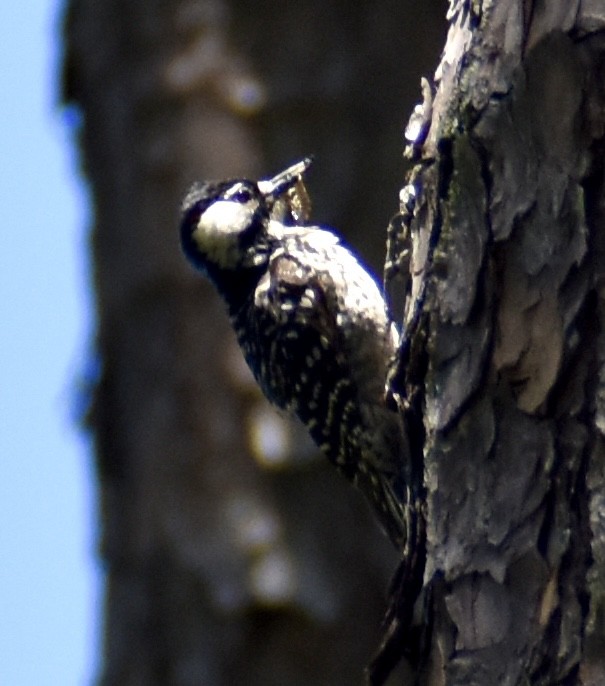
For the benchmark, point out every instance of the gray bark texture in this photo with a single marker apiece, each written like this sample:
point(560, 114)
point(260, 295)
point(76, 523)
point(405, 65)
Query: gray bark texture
point(228, 561)
point(504, 352)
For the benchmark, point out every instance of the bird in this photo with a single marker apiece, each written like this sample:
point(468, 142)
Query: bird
point(312, 323)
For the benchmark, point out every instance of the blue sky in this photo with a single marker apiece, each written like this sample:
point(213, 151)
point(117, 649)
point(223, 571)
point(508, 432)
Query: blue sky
point(49, 576)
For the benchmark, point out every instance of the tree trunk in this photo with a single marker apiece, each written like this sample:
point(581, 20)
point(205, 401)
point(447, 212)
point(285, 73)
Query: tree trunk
point(232, 556)
point(502, 365)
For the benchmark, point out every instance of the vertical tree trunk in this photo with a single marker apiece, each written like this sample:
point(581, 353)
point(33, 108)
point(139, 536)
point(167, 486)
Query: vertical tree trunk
point(219, 569)
point(503, 358)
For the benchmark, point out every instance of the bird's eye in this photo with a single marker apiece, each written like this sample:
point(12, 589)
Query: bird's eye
point(238, 193)
point(242, 196)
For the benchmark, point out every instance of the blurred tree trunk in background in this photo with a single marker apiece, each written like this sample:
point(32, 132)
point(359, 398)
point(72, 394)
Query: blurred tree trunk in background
point(221, 570)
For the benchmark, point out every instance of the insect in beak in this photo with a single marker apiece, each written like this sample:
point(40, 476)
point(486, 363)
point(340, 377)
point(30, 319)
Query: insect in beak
point(286, 193)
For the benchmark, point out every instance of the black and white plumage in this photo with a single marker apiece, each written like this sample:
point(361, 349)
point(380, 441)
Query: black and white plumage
point(312, 324)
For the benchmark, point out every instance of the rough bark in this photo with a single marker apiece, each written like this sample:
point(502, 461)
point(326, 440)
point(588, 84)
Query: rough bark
point(503, 359)
point(220, 570)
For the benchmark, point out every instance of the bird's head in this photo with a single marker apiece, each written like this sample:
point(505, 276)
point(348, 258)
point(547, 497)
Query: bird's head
point(224, 224)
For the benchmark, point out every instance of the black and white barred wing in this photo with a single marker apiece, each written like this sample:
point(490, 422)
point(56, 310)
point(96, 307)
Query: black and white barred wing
point(310, 366)
point(305, 367)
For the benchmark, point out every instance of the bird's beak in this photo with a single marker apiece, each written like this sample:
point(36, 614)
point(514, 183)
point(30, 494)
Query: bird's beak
point(285, 180)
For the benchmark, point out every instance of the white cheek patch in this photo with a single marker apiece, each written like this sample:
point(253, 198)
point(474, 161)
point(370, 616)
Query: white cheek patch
point(217, 231)
point(227, 217)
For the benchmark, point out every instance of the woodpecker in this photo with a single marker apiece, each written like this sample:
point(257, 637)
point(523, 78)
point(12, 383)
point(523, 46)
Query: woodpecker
point(312, 324)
